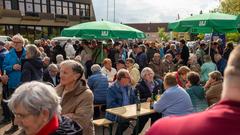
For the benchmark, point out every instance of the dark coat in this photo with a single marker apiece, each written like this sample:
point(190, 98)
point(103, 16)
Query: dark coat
point(68, 127)
point(185, 54)
point(144, 91)
point(32, 69)
point(142, 60)
point(47, 78)
point(57, 50)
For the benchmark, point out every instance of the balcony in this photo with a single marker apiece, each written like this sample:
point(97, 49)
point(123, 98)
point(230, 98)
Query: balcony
point(47, 16)
point(10, 13)
point(61, 18)
point(85, 17)
point(31, 16)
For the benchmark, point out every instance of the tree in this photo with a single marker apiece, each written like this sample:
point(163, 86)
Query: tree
point(164, 36)
point(230, 7)
point(234, 37)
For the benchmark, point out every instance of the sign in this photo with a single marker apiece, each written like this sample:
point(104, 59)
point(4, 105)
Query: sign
point(202, 23)
point(104, 33)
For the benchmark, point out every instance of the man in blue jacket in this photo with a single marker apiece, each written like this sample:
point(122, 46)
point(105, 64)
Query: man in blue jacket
point(120, 93)
point(12, 65)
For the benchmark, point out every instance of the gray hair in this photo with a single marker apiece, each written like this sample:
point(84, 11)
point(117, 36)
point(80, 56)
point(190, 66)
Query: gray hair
point(52, 66)
point(145, 71)
point(34, 52)
point(95, 68)
point(19, 36)
point(35, 97)
point(75, 66)
point(59, 58)
point(122, 73)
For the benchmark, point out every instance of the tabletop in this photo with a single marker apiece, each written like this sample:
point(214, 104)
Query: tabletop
point(129, 111)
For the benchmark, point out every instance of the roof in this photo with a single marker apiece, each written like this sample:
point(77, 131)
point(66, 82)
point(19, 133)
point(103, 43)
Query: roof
point(148, 27)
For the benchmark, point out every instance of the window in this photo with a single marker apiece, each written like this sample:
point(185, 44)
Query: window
point(52, 7)
point(70, 4)
point(44, 8)
point(29, 7)
point(77, 9)
point(87, 10)
point(65, 8)
point(8, 4)
point(59, 7)
point(37, 8)
point(22, 7)
point(84, 10)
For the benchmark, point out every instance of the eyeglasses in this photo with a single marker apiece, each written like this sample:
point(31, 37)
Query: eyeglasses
point(127, 78)
point(21, 116)
point(17, 42)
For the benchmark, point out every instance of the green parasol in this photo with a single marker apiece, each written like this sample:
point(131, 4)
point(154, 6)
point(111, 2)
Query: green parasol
point(102, 30)
point(207, 23)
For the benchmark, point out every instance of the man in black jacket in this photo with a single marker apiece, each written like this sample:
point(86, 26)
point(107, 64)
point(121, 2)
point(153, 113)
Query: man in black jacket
point(184, 52)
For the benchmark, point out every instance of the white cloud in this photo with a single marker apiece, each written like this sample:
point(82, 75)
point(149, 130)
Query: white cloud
point(140, 11)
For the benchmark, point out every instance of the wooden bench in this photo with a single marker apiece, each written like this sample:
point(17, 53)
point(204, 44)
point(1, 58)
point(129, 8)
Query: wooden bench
point(105, 123)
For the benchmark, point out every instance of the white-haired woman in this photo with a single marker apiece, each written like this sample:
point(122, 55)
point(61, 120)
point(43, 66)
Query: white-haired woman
point(77, 98)
point(36, 107)
point(32, 66)
point(148, 87)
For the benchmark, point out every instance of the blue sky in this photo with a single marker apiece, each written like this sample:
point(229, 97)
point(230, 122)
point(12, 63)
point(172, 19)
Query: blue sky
point(145, 11)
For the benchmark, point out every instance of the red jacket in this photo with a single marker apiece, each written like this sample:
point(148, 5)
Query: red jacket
point(222, 119)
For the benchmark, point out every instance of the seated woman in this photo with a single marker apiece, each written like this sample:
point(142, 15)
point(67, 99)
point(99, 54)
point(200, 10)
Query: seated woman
point(207, 67)
point(98, 83)
point(181, 76)
point(77, 98)
point(36, 107)
point(147, 88)
point(214, 87)
point(196, 92)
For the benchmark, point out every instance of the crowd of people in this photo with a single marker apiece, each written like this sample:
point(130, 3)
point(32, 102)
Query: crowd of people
point(47, 85)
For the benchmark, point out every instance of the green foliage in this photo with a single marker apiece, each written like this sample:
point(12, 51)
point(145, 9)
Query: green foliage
point(234, 37)
point(200, 36)
point(230, 7)
point(164, 36)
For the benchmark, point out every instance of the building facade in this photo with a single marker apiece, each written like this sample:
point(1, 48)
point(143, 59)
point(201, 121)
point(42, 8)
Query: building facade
point(36, 19)
point(150, 29)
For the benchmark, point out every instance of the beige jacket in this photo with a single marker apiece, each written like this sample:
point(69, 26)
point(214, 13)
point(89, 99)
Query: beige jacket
point(78, 105)
point(213, 94)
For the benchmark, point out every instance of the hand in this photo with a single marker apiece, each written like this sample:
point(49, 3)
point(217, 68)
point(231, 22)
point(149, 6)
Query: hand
point(17, 67)
point(69, 115)
point(149, 99)
point(4, 79)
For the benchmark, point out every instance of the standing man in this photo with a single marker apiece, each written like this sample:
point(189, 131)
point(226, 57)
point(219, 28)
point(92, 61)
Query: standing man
point(12, 65)
point(141, 58)
point(3, 80)
point(184, 52)
point(222, 119)
point(120, 93)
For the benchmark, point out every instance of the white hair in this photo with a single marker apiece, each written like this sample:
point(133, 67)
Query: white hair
point(145, 71)
point(35, 97)
point(95, 68)
point(59, 58)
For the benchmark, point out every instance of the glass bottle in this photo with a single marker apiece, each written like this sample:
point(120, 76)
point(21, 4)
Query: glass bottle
point(138, 102)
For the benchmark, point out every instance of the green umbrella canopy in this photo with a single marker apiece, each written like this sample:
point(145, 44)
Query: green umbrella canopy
point(102, 30)
point(207, 23)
